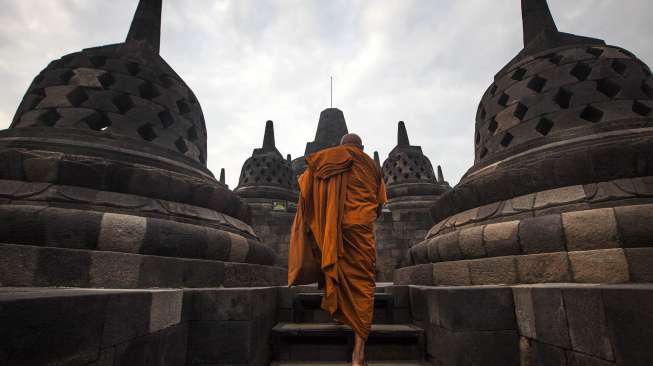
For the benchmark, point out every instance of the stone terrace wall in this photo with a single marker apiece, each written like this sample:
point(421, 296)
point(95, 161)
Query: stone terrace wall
point(568, 325)
point(562, 325)
point(273, 228)
point(129, 328)
point(395, 233)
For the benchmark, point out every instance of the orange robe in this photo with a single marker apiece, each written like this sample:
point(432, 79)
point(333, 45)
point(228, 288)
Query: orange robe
point(332, 239)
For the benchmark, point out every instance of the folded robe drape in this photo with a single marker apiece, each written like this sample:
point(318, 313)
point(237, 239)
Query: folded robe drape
point(332, 238)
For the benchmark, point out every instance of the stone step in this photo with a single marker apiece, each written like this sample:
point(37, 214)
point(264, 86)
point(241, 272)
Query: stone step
point(334, 342)
point(306, 308)
point(372, 363)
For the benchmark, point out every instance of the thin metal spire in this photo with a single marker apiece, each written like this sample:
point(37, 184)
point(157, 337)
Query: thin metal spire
point(331, 92)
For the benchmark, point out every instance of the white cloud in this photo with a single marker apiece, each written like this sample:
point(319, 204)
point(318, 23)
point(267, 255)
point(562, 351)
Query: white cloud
point(424, 62)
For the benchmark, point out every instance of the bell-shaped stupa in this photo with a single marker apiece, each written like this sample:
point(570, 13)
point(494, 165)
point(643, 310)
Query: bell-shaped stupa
point(103, 172)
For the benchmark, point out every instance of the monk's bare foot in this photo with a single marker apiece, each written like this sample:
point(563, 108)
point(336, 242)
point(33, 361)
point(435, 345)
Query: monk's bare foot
point(358, 356)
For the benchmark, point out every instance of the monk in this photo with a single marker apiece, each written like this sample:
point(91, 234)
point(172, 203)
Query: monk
point(332, 240)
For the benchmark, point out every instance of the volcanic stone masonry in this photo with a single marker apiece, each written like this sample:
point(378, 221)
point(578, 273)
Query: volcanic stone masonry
point(118, 247)
point(560, 192)
point(268, 184)
point(412, 187)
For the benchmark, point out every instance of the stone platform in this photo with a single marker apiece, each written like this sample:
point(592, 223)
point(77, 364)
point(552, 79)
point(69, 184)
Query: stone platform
point(550, 324)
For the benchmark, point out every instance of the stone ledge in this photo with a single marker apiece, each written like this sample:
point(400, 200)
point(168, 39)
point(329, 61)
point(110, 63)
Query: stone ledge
point(121, 203)
point(44, 266)
point(594, 266)
point(620, 192)
point(585, 230)
point(81, 229)
point(121, 177)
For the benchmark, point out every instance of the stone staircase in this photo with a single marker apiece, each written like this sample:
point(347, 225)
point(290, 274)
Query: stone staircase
point(313, 338)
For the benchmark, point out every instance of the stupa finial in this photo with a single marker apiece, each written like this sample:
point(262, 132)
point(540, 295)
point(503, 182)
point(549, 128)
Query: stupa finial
point(146, 25)
point(268, 138)
point(402, 135)
point(536, 18)
point(377, 160)
point(222, 180)
point(440, 175)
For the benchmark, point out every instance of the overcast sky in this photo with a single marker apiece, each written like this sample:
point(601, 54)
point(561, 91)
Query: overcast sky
point(425, 62)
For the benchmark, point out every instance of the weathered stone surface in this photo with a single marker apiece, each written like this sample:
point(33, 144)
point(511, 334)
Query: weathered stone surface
point(634, 222)
point(122, 233)
point(471, 242)
point(225, 304)
point(551, 323)
point(62, 267)
point(165, 348)
point(18, 265)
point(501, 239)
point(251, 275)
point(42, 169)
point(127, 317)
point(165, 310)
point(415, 275)
point(419, 253)
point(588, 328)
point(239, 248)
point(487, 308)
point(630, 320)
point(39, 330)
point(156, 271)
point(174, 239)
point(591, 229)
point(542, 234)
point(419, 304)
point(640, 264)
point(448, 248)
point(493, 271)
point(495, 348)
point(599, 266)
point(202, 273)
point(71, 228)
point(454, 273)
point(525, 311)
point(544, 268)
point(559, 196)
point(233, 336)
point(533, 353)
point(22, 225)
point(579, 359)
point(113, 270)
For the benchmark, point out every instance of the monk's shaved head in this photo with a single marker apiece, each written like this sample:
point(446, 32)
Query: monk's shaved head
point(351, 139)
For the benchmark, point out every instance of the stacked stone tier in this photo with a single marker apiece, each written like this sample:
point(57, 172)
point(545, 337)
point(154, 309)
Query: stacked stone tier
point(115, 176)
point(596, 233)
point(595, 153)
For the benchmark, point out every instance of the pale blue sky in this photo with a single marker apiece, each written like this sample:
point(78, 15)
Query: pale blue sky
point(425, 62)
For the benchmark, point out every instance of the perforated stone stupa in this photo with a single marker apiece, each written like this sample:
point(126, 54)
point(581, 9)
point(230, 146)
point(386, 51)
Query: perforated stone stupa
point(561, 185)
point(104, 180)
point(409, 176)
point(268, 184)
point(412, 187)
